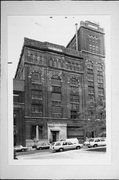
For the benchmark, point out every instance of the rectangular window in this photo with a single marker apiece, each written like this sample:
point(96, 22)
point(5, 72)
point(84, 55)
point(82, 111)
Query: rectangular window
point(56, 81)
point(36, 94)
point(37, 108)
point(90, 71)
point(100, 78)
point(90, 90)
point(91, 97)
point(56, 115)
point(73, 114)
point(56, 89)
point(74, 90)
point(90, 77)
point(56, 103)
point(56, 109)
point(90, 83)
point(56, 96)
point(74, 98)
point(74, 106)
point(101, 91)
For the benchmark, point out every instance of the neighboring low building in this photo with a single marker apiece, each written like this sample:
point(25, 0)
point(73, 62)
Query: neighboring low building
point(63, 90)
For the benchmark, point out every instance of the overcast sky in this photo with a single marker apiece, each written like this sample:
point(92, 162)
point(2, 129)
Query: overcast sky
point(54, 29)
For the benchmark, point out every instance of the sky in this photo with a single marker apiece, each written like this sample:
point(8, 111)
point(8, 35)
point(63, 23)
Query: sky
point(54, 29)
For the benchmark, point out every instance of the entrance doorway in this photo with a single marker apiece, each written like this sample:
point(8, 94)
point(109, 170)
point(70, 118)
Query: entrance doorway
point(55, 136)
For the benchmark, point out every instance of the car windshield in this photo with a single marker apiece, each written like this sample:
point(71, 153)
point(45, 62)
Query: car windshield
point(58, 144)
point(91, 140)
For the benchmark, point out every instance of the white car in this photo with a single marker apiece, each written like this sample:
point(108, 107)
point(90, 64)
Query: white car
point(87, 142)
point(19, 148)
point(64, 145)
point(94, 142)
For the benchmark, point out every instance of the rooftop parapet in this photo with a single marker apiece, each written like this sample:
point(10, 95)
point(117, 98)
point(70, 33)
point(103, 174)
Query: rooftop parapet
point(51, 47)
point(91, 25)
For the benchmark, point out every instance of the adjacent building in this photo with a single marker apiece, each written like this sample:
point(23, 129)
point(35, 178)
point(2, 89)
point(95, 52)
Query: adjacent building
point(59, 92)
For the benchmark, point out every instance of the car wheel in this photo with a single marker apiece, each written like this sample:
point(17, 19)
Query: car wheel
point(95, 145)
point(78, 147)
point(61, 149)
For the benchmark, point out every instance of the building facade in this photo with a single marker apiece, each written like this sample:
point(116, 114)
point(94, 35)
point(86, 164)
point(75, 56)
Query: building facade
point(64, 87)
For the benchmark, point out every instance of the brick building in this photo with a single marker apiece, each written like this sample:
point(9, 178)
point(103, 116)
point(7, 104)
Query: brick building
point(63, 88)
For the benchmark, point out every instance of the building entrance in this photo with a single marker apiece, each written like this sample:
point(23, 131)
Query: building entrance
point(57, 131)
point(55, 136)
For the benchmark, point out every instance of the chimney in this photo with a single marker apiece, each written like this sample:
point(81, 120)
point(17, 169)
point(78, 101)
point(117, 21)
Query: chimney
point(76, 36)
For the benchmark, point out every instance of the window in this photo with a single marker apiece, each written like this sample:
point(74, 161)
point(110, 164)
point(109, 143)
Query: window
point(90, 77)
point(55, 80)
point(90, 97)
point(56, 109)
point(97, 140)
point(73, 114)
point(89, 65)
point(100, 91)
point(74, 81)
point(90, 90)
point(58, 144)
point(56, 103)
point(56, 115)
point(36, 94)
point(90, 71)
point(50, 62)
point(36, 77)
point(56, 89)
point(100, 78)
point(74, 90)
point(64, 143)
point(90, 83)
point(100, 85)
point(37, 108)
point(74, 98)
point(100, 67)
point(74, 106)
point(69, 143)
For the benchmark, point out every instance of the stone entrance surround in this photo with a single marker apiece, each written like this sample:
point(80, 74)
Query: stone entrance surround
point(60, 128)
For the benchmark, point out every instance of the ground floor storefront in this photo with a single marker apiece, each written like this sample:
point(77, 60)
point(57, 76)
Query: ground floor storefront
point(54, 130)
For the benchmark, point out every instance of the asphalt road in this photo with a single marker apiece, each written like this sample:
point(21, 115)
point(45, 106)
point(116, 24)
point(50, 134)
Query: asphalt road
point(81, 154)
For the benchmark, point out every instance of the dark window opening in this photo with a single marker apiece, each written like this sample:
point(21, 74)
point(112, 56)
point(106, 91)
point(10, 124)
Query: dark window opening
point(56, 89)
point(74, 114)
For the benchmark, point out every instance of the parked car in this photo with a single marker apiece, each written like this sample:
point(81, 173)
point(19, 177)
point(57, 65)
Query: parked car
point(64, 145)
point(73, 140)
point(43, 145)
point(94, 142)
point(19, 148)
point(87, 142)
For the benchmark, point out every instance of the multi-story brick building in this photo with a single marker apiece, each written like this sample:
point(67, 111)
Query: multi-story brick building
point(64, 88)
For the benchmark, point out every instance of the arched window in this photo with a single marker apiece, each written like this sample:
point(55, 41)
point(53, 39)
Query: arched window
point(50, 62)
point(36, 77)
point(59, 64)
point(55, 63)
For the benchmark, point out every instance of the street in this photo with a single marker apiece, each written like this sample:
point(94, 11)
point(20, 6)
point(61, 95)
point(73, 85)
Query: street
point(81, 154)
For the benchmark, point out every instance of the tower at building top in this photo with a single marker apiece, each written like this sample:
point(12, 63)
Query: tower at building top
point(92, 26)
